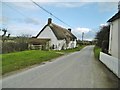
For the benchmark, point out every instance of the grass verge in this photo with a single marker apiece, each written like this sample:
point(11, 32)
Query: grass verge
point(97, 52)
point(19, 60)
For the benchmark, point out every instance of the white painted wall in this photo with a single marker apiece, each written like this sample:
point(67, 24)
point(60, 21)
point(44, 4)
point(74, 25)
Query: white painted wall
point(119, 38)
point(48, 33)
point(72, 44)
point(111, 62)
point(75, 43)
point(113, 39)
point(61, 43)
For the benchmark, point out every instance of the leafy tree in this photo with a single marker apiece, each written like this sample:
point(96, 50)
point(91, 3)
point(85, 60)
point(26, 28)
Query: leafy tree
point(103, 38)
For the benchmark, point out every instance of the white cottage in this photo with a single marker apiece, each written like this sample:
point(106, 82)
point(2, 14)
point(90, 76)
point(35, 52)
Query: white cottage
point(61, 38)
point(114, 42)
point(113, 61)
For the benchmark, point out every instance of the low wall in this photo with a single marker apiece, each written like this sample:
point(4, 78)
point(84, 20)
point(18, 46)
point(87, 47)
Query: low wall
point(111, 62)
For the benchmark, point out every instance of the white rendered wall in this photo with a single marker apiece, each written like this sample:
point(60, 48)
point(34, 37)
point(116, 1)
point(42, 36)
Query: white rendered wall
point(60, 44)
point(113, 39)
point(75, 43)
point(111, 62)
point(72, 44)
point(48, 33)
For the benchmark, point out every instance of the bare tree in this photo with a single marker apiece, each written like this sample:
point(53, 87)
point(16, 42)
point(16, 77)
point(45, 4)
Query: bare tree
point(8, 35)
point(5, 31)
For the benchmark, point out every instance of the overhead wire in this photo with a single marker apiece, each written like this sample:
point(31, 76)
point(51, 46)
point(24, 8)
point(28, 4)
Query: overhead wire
point(40, 8)
point(17, 11)
point(50, 13)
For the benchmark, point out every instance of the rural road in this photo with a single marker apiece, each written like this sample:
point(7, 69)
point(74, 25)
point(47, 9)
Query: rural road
point(76, 70)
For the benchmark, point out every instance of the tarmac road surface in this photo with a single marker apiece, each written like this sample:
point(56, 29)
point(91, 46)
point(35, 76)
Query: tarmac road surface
point(75, 70)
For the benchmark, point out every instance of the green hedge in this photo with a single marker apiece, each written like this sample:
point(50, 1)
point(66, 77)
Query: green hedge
point(97, 52)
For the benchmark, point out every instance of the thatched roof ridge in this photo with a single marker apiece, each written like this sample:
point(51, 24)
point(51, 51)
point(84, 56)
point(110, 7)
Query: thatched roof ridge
point(60, 32)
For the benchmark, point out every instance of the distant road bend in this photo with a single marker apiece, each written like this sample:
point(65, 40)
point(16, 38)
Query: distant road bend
point(76, 70)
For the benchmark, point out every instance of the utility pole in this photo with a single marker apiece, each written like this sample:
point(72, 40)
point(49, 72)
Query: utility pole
point(82, 36)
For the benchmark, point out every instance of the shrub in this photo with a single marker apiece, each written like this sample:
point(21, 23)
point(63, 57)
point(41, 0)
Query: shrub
point(8, 47)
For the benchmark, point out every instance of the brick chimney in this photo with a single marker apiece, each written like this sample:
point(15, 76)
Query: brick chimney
point(49, 21)
point(69, 29)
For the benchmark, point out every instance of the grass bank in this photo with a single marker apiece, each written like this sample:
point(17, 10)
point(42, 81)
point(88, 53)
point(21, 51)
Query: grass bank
point(19, 60)
point(97, 52)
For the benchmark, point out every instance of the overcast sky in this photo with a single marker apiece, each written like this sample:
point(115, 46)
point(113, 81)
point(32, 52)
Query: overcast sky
point(26, 18)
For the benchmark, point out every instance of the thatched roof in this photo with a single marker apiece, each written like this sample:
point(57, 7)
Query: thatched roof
point(60, 32)
point(116, 16)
